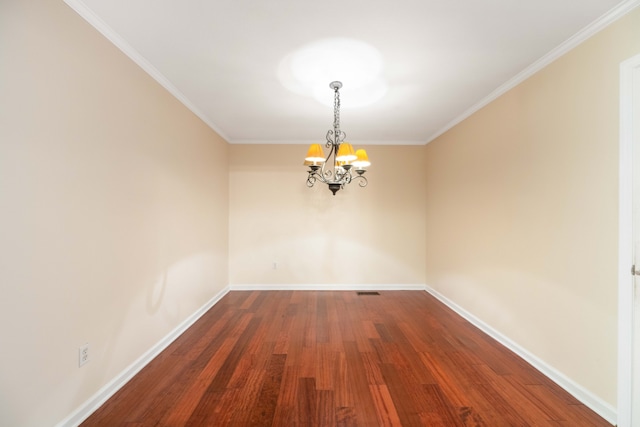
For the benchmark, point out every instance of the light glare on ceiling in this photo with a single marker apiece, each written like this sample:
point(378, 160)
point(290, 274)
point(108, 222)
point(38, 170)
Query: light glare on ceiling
point(357, 64)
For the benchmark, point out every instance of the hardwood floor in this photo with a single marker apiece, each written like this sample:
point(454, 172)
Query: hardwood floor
point(306, 358)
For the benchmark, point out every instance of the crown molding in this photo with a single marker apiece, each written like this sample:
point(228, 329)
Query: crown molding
point(614, 14)
point(95, 21)
point(596, 26)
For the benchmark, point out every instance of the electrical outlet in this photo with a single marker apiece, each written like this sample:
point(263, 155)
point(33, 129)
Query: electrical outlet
point(83, 355)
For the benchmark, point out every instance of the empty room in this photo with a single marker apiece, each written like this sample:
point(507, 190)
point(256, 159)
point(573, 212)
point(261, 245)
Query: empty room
point(316, 213)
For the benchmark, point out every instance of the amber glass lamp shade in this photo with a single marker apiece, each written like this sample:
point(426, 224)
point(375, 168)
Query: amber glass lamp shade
point(362, 160)
point(314, 155)
point(346, 153)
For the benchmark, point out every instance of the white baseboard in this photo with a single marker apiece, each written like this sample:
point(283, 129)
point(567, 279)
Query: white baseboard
point(92, 404)
point(590, 400)
point(327, 287)
point(109, 389)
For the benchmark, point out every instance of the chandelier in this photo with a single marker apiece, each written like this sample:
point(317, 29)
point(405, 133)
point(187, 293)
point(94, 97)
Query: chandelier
point(345, 159)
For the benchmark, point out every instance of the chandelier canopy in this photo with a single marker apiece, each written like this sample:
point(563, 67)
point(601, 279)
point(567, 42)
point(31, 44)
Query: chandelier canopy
point(345, 159)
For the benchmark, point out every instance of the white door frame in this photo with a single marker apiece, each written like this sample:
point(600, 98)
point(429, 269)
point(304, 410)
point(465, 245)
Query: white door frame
point(625, 245)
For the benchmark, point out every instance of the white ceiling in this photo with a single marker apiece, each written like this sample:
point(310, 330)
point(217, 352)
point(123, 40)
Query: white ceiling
point(229, 60)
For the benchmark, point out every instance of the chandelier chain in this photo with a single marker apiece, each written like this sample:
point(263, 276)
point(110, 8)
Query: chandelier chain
point(336, 112)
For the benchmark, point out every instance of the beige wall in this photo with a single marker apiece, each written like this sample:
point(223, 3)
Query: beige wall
point(522, 211)
point(115, 204)
point(360, 236)
point(113, 211)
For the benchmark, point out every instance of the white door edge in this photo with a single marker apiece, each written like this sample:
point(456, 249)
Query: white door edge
point(625, 243)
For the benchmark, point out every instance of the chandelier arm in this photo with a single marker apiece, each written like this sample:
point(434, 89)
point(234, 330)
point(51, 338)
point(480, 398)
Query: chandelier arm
point(331, 146)
point(311, 179)
point(330, 173)
point(363, 180)
point(315, 176)
point(322, 174)
point(330, 140)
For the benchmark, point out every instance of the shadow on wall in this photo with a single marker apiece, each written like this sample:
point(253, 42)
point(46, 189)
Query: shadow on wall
point(521, 303)
point(161, 307)
point(322, 259)
point(143, 322)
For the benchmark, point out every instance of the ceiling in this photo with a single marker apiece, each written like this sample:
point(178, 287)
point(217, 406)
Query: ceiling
point(410, 68)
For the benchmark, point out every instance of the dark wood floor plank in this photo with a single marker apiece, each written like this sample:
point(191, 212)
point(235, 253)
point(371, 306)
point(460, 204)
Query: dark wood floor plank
point(518, 398)
point(222, 378)
point(307, 402)
point(264, 410)
point(197, 388)
point(252, 296)
point(333, 358)
point(386, 410)
point(503, 406)
point(344, 320)
point(344, 390)
point(364, 406)
point(547, 397)
point(402, 356)
point(307, 361)
point(322, 319)
point(371, 363)
point(205, 331)
point(326, 360)
point(283, 336)
point(334, 325)
point(286, 408)
point(325, 408)
point(405, 400)
point(275, 309)
point(243, 400)
point(455, 391)
point(357, 317)
point(345, 417)
point(149, 389)
point(440, 409)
